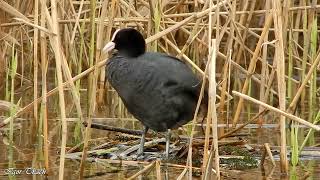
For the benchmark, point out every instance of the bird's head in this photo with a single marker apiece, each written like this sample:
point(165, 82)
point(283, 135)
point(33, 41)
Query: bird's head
point(127, 41)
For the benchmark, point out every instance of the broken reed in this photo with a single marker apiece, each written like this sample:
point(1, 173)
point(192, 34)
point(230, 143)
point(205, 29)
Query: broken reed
point(237, 27)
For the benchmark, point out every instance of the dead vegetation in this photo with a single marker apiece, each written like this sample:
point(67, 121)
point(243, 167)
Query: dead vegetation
point(267, 52)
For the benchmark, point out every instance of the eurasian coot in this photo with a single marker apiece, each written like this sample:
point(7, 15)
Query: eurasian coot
point(159, 90)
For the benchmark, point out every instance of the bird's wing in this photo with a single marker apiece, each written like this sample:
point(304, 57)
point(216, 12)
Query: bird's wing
point(176, 72)
point(136, 84)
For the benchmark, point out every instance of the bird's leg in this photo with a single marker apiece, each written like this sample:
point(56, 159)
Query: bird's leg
point(168, 135)
point(143, 138)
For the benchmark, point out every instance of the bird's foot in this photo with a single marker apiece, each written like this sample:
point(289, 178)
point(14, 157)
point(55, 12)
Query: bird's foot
point(164, 156)
point(138, 156)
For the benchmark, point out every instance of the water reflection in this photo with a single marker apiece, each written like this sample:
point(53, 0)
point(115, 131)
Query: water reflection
point(27, 154)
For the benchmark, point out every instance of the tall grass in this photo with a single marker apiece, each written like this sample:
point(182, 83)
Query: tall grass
point(13, 69)
point(261, 51)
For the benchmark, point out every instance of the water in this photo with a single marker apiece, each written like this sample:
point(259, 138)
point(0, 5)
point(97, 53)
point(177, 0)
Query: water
point(26, 155)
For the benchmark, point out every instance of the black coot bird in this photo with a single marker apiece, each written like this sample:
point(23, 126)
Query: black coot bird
point(159, 90)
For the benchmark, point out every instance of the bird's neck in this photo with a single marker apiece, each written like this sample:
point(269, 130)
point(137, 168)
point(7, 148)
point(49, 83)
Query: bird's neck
point(131, 53)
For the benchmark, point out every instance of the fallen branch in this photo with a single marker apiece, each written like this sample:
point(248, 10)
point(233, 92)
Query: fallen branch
point(111, 128)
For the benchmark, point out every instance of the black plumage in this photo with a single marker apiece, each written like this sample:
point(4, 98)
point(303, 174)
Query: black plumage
point(159, 90)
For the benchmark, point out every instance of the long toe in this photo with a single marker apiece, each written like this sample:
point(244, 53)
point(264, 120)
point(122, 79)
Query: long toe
point(140, 154)
point(165, 156)
point(142, 141)
point(168, 135)
point(140, 151)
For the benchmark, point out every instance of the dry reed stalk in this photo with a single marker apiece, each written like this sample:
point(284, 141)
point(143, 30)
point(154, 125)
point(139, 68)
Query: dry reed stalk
point(263, 158)
point(53, 91)
point(76, 25)
point(252, 29)
point(11, 10)
point(251, 52)
point(91, 90)
point(133, 10)
point(9, 38)
point(118, 21)
point(144, 170)
point(183, 22)
point(35, 60)
point(50, 93)
point(22, 64)
point(286, 7)
point(185, 30)
point(228, 90)
point(245, 21)
point(219, 35)
point(54, 40)
point(98, 6)
point(226, 66)
point(207, 131)
point(313, 25)
point(152, 24)
point(242, 18)
point(222, 30)
point(296, 52)
point(127, 13)
point(99, 55)
point(259, 58)
point(267, 148)
point(47, 16)
point(270, 81)
point(185, 57)
point(213, 116)
point(195, 29)
point(251, 68)
point(290, 66)
point(253, 119)
point(244, 71)
point(189, 157)
point(64, 64)
point(74, 92)
point(36, 26)
point(104, 86)
point(271, 108)
point(306, 45)
point(246, 47)
point(303, 84)
point(280, 61)
point(169, 21)
point(255, 12)
point(182, 174)
point(5, 105)
point(44, 66)
point(89, 121)
point(264, 70)
point(158, 170)
point(297, 22)
point(217, 19)
point(3, 65)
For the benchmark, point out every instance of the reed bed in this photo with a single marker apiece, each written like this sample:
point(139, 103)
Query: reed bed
point(263, 54)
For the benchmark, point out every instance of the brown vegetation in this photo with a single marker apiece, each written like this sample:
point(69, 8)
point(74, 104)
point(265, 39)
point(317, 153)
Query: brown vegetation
point(267, 49)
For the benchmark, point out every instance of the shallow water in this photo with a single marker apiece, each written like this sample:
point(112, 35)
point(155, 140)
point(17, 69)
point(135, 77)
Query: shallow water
point(26, 148)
